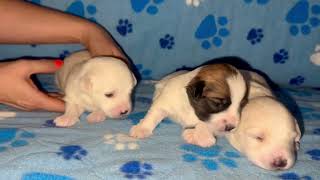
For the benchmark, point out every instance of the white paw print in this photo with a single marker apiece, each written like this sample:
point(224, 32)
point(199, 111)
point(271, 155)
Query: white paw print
point(121, 141)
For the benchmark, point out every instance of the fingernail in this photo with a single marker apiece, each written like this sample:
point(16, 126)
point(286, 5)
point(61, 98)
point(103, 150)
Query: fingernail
point(58, 63)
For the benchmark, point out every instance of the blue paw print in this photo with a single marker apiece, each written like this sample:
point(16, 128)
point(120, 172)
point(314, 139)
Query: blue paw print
point(281, 56)
point(293, 176)
point(316, 131)
point(64, 54)
point(78, 8)
point(260, 2)
point(315, 154)
point(33, 45)
point(301, 20)
point(167, 41)
point(136, 117)
point(136, 169)
point(209, 157)
point(152, 8)
point(39, 175)
point(72, 152)
point(145, 73)
point(255, 35)
point(14, 138)
point(208, 29)
point(124, 27)
point(49, 123)
point(297, 80)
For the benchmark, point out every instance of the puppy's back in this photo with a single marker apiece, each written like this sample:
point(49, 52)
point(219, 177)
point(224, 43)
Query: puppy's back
point(69, 63)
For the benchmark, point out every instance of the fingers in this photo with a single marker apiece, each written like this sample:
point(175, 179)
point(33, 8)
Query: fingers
point(44, 66)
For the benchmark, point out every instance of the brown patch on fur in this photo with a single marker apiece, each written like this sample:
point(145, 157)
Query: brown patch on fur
point(208, 91)
point(215, 76)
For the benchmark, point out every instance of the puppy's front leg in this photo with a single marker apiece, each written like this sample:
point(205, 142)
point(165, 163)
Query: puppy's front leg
point(70, 117)
point(200, 136)
point(96, 116)
point(148, 124)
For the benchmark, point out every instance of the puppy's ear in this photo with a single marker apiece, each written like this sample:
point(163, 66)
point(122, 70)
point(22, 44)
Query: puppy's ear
point(85, 83)
point(195, 90)
point(298, 137)
point(134, 79)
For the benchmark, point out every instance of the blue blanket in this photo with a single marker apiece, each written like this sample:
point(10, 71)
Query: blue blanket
point(31, 147)
point(275, 36)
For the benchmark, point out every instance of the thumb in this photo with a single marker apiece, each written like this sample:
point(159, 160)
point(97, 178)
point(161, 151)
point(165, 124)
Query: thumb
point(45, 66)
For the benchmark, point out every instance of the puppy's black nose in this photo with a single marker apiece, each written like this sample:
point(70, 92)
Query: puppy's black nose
point(229, 127)
point(124, 112)
point(279, 162)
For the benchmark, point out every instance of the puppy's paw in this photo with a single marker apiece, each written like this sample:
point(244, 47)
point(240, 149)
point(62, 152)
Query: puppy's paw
point(65, 121)
point(140, 132)
point(95, 117)
point(187, 135)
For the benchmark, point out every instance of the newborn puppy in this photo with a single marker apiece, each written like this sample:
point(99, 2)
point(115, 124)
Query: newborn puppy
point(267, 133)
point(101, 85)
point(207, 96)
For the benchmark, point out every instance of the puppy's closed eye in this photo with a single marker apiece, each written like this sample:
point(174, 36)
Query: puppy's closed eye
point(109, 95)
point(256, 135)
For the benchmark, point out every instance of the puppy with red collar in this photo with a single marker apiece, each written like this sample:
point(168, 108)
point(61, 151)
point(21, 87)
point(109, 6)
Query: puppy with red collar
point(208, 97)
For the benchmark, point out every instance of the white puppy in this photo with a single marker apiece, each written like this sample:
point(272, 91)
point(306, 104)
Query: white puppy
point(267, 133)
point(101, 85)
point(209, 95)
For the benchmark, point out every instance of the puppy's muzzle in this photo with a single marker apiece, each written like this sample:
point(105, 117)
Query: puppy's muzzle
point(229, 127)
point(279, 163)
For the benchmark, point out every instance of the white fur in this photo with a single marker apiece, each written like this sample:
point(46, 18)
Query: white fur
point(315, 57)
point(194, 3)
point(171, 100)
point(85, 81)
point(265, 117)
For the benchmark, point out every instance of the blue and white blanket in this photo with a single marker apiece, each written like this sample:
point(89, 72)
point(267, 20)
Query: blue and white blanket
point(31, 147)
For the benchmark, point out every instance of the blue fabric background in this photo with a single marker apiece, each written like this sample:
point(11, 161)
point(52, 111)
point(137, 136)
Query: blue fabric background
point(160, 36)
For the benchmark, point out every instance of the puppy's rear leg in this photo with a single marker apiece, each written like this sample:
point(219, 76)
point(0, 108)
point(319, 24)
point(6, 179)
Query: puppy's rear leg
point(148, 124)
point(70, 117)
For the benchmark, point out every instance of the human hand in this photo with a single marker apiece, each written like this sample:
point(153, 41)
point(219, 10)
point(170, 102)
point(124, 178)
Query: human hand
point(99, 42)
point(18, 90)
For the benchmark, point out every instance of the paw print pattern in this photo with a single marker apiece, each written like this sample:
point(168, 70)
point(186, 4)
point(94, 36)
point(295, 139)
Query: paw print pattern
point(121, 141)
point(167, 42)
point(281, 56)
point(14, 138)
point(151, 6)
point(40, 175)
point(209, 157)
point(77, 8)
point(49, 123)
point(124, 27)
point(316, 131)
point(293, 176)
point(297, 80)
point(64, 54)
point(302, 18)
point(208, 28)
point(260, 2)
point(145, 73)
point(72, 152)
point(315, 154)
point(255, 35)
point(136, 169)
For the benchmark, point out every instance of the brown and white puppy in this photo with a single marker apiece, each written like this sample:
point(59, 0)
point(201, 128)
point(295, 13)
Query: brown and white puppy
point(100, 85)
point(267, 134)
point(207, 96)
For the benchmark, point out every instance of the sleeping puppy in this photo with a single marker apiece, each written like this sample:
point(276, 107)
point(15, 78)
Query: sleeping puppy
point(267, 133)
point(207, 96)
point(100, 85)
